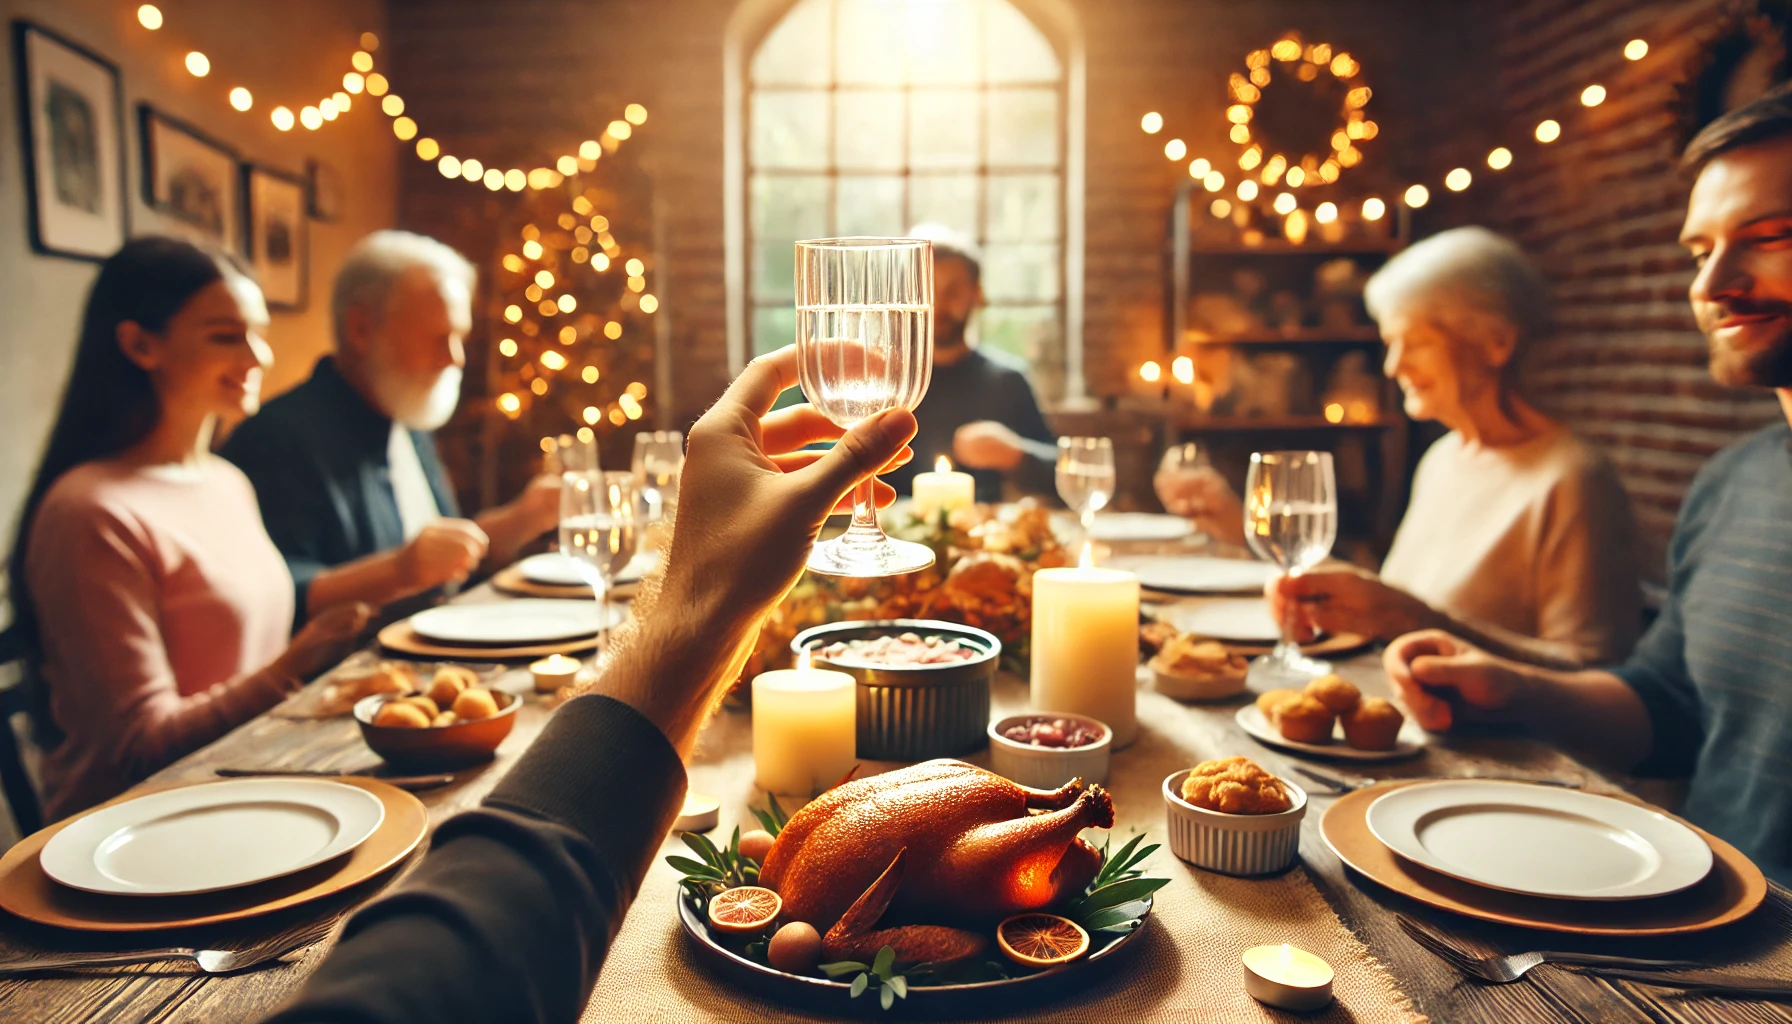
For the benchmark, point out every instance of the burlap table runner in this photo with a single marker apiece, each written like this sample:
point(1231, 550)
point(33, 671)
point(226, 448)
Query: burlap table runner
point(1186, 965)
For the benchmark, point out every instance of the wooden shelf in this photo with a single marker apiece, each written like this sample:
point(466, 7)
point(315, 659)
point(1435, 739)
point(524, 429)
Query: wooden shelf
point(1214, 424)
point(1281, 247)
point(1299, 336)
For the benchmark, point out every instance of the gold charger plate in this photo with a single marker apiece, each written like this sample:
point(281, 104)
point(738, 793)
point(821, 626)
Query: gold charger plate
point(1733, 889)
point(400, 637)
point(26, 891)
point(511, 580)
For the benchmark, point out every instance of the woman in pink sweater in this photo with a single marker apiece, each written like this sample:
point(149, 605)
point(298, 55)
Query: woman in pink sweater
point(159, 609)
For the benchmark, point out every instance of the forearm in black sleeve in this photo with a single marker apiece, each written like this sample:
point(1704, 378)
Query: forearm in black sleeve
point(512, 912)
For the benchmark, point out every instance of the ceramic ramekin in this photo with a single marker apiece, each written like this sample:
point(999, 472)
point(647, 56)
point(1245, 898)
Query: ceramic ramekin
point(1049, 767)
point(1233, 844)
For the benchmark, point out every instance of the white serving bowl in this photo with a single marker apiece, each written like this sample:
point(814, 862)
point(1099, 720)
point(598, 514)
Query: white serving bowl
point(1049, 767)
point(1233, 844)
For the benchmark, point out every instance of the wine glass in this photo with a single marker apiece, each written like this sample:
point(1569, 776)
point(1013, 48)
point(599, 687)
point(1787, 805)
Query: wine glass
point(657, 463)
point(568, 453)
point(598, 523)
point(864, 339)
point(1291, 519)
point(1086, 476)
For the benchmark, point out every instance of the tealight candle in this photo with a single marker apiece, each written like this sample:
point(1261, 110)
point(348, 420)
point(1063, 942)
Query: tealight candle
point(1286, 977)
point(804, 729)
point(1085, 650)
point(700, 813)
point(553, 672)
point(942, 490)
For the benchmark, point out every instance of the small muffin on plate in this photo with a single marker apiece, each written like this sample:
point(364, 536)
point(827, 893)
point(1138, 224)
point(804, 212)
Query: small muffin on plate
point(1334, 693)
point(1269, 703)
point(1374, 724)
point(1304, 720)
point(1235, 785)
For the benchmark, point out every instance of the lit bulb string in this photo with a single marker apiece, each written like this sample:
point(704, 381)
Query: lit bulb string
point(1416, 195)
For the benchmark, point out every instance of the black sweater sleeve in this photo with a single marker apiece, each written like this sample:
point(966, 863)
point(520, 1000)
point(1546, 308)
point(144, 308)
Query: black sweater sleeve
point(512, 911)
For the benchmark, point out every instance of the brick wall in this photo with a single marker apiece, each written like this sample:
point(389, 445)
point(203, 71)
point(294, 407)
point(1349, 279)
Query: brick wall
point(1601, 210)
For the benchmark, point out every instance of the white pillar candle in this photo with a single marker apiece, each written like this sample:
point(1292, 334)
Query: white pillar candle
point(1286, 977)
point(942, 490)
point(804, 730)
point(1086, 645)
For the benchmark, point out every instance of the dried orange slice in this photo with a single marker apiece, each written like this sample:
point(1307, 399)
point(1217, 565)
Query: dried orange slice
point(747, 908)
point(1041, 940)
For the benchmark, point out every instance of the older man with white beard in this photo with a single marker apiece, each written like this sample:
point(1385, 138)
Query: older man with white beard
point(345, 465)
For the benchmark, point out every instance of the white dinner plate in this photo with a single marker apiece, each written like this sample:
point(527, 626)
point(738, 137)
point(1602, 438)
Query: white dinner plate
point(1196, 574)
point(557, 570)
point(216, 835)
point(523, 620)
point(1410, 741)
point(1238, 619)
point(1139, 526)
point(1540, 840)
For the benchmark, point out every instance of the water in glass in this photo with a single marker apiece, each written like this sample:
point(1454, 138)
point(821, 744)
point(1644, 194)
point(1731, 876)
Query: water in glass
point(1086, 476)
point(599, 517)
point(1291, 519)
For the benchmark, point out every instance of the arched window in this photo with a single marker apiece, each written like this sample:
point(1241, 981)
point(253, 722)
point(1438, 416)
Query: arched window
point(863, 117)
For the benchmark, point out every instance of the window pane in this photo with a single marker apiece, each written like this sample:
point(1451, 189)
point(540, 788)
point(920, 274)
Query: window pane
point(1023, 127)
point(1014, 48)
point(870, 48)
point(796, 51)
point(786, 207)
point(948, 199)
point(790, 129)
point(1028, 332)
point(868, 130)
point(944, 129)
point(773, 328)
point(1020, 272)
point(868, 205)
point(945, 42)
point(1023, 207)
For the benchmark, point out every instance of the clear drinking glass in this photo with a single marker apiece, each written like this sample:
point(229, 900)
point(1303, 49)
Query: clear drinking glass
point(864, 338)
point(1291, 519)
point(570, 454)
point(1086, 475)
point(599, 524)
point(657, 464)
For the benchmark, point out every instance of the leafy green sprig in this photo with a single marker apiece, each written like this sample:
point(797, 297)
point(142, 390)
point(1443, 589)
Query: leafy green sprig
point(718, 869)
point(1116, 900)
point(772, 819)
point(892, 984)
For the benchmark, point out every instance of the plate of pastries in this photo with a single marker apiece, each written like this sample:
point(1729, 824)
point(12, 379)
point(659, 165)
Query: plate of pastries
point(1330, 717)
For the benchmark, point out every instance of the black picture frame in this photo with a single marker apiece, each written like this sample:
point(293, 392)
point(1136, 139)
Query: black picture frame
point(276, 240)
point(324, 196)
point(194, 180)
point(55, 227)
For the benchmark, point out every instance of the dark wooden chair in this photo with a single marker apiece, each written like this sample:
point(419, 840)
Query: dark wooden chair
point(15, 781)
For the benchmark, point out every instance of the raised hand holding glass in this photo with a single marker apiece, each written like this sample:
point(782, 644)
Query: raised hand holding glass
point(1291, 519)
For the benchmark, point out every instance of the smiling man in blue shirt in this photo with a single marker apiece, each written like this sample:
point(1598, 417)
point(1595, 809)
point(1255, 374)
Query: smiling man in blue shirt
point(1708, 692)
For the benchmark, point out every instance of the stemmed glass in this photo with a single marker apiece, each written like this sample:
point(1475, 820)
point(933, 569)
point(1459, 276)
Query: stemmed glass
point(1180, 462)
point(598, 524)
point(658, 461)
point(1291, 519)
point(1086, 476)
point(864, 339)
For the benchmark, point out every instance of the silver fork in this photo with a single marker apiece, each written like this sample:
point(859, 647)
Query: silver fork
point(211, 961)
point(1504, 969)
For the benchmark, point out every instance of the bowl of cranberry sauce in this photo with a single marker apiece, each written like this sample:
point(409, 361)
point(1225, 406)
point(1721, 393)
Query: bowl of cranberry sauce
point(1046, 749)
point(923, 684)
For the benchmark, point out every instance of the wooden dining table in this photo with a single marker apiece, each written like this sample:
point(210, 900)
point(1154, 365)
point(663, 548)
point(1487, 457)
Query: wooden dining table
point(1424, 985)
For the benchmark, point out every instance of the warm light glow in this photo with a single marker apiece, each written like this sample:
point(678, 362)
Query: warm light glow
point(1247, 190)
point(494, 179)
point(1150, 373)
point(634, 113)
point(1295, 227)
point(1238, 113)
point(1458, 179)
point(1221, 208)
point(1592, 96)
point(369, 42)
point(1285, 203)
point(1214, 181)
point(471, 169)
point(149, 16)
point(592, 414)
point(1198, 168)
point(1272, 171)
point(590, 150)
point(589, 375)
point(515, 180)
point(539, 386)
point(586, 436)
point(637, 389)
point(636, 284)
point(362, 61)
point(532, 293)
point(1549, 131)
point(1334, 413)
point(1417, 196)
point(1636, 49)
point(513, 313)
point(1500, 159)
point(428, 149)
point(1175, 149)
point(649, 304)
point(567, 303)
point(393, 105)
point(630, 407)
point(613, 330)
point(341, 100)
point(509, 404)
point(619, 130)
point(553, 360)
point(327, 107)
point(1358, 97)
point(569, 334)
point(567, 165)
point(1152, 123)
point(507, 347)
point(241, 99)
point(311, 118)
point(1325, 213)
point(1374, 209)
point(1328, 171)
point(1183, 369)
point(1240, 133)
point(1296, 177)
point(354, 83)
point(198, 64)
point(376, 84)
point(635, 268)
point(1285, 49)
point(1350, 157)
point(282, 118)
point(405, 129)
point(544, 278)
point(540, 178)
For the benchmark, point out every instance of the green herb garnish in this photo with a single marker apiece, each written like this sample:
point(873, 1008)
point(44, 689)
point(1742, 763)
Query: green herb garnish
point(892, 985)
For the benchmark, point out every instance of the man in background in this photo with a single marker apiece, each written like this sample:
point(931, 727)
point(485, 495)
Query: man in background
point(979, 409)
point(345, 466)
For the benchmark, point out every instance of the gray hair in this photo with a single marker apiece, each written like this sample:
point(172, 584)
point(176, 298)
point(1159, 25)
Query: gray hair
point(953, 244)
point(373, 267)
point(1460, 275)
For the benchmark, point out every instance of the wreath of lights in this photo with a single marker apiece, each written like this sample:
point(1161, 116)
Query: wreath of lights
point(1303, 62)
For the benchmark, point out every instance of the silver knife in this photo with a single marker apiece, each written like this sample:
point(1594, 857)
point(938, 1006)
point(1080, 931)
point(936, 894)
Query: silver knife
point(412, 783)
point(1699, 981)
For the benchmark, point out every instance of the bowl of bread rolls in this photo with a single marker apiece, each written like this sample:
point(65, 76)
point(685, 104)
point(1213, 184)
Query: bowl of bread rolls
point(452, 720)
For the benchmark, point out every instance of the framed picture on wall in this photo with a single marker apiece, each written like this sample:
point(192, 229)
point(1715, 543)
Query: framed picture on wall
point(191, 179)
point(71, 123)
point(277, 241)
point(325, 191)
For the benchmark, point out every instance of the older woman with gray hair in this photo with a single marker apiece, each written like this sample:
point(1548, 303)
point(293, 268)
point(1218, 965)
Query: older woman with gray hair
point(1518, 535)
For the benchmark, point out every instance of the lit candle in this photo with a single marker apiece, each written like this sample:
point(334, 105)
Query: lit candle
point(1086, 644)
point(804, 729)
point(553, 672)
point(1287, 978)
point(942, 490)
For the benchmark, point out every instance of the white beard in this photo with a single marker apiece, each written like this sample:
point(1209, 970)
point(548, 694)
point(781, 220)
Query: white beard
point(420, 406)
